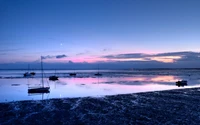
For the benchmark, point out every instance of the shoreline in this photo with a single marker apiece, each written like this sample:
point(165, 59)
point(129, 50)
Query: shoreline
point(180, 106)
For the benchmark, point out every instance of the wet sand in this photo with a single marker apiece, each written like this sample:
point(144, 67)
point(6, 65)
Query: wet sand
point(163, 107)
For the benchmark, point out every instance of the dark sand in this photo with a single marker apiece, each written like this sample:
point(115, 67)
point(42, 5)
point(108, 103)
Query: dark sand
point(165, 107)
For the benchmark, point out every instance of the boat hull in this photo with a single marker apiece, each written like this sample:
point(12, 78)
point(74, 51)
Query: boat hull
point(27, 74)
point(39, 90)
point(72, 74)
point(181, 83)
point(53, 78)
point(98, 74)
point(32, 73)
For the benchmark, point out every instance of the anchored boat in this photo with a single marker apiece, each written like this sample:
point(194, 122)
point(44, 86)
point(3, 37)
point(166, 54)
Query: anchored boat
point(40, 89)
point(181, 83)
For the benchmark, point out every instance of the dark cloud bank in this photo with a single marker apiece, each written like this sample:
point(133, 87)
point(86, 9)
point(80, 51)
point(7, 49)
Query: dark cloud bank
point(187, 60)
point(186, 56)
point(57, 56)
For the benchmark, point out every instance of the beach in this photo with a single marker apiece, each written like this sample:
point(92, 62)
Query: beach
point(179, 106)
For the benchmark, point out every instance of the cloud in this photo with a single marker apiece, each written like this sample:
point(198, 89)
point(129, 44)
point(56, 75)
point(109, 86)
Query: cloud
point(70, 61)
point(121, 61)
point(82, 53)
point(186, 53)
point(47, 57)
point(184, 56)
point(123, 56)
point(190, 58)
point(105, 49)
point(61, 56)
point(57, 56)
point(160, 57)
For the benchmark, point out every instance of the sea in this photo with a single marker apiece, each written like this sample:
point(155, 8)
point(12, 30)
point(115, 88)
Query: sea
point(14, 86)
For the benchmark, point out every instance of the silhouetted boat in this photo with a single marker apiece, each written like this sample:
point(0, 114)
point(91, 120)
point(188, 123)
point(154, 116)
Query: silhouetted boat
point(27, 74)
point(181, 83)
point(72, 74)
point(98, 74)
point(54, 77)
point(41, 89)
point(32, 73)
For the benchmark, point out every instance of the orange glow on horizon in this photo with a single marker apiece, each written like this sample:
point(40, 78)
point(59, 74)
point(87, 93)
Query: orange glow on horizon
point(130, 59)
point(153, 79)
point(166, 59)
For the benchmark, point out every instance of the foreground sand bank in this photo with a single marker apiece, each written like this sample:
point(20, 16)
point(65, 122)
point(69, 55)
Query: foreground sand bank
point(165, 107)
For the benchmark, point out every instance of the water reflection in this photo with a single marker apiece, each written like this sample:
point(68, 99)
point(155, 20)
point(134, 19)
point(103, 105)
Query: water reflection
point(43, 95)
point(164, 79)
point(82, 87)
point(153, 78)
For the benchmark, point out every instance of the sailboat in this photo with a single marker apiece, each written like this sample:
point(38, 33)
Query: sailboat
point(41, 89)
point(181, 83)
point(54, 77)
point(32, 73)
point(72, 74)
point(98, 74)
point(26, 74)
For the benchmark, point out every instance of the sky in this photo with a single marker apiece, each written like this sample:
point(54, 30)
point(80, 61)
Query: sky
point(113, 33)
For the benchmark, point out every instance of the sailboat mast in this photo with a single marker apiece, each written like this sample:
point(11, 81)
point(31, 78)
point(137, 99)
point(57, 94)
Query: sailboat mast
point(42, 72)
point(28, 67)
point(98, 68)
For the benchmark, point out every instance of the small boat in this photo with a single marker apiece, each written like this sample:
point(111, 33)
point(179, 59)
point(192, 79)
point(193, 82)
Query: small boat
point(40, 89)
point(32, 73)
point(181, 83)
point(72, 74)
point(98, 74)
point(53, 78)
point(27, 74)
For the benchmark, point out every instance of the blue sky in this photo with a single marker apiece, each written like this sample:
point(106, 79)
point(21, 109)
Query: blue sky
point(88, 30)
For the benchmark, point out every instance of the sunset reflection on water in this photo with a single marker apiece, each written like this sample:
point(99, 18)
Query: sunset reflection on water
point(92, 86)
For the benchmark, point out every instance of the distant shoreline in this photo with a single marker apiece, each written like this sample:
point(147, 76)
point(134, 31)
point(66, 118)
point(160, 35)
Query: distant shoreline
point(117, 69)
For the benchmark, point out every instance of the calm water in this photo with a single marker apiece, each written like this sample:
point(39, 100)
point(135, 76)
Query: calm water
point(13, 86)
